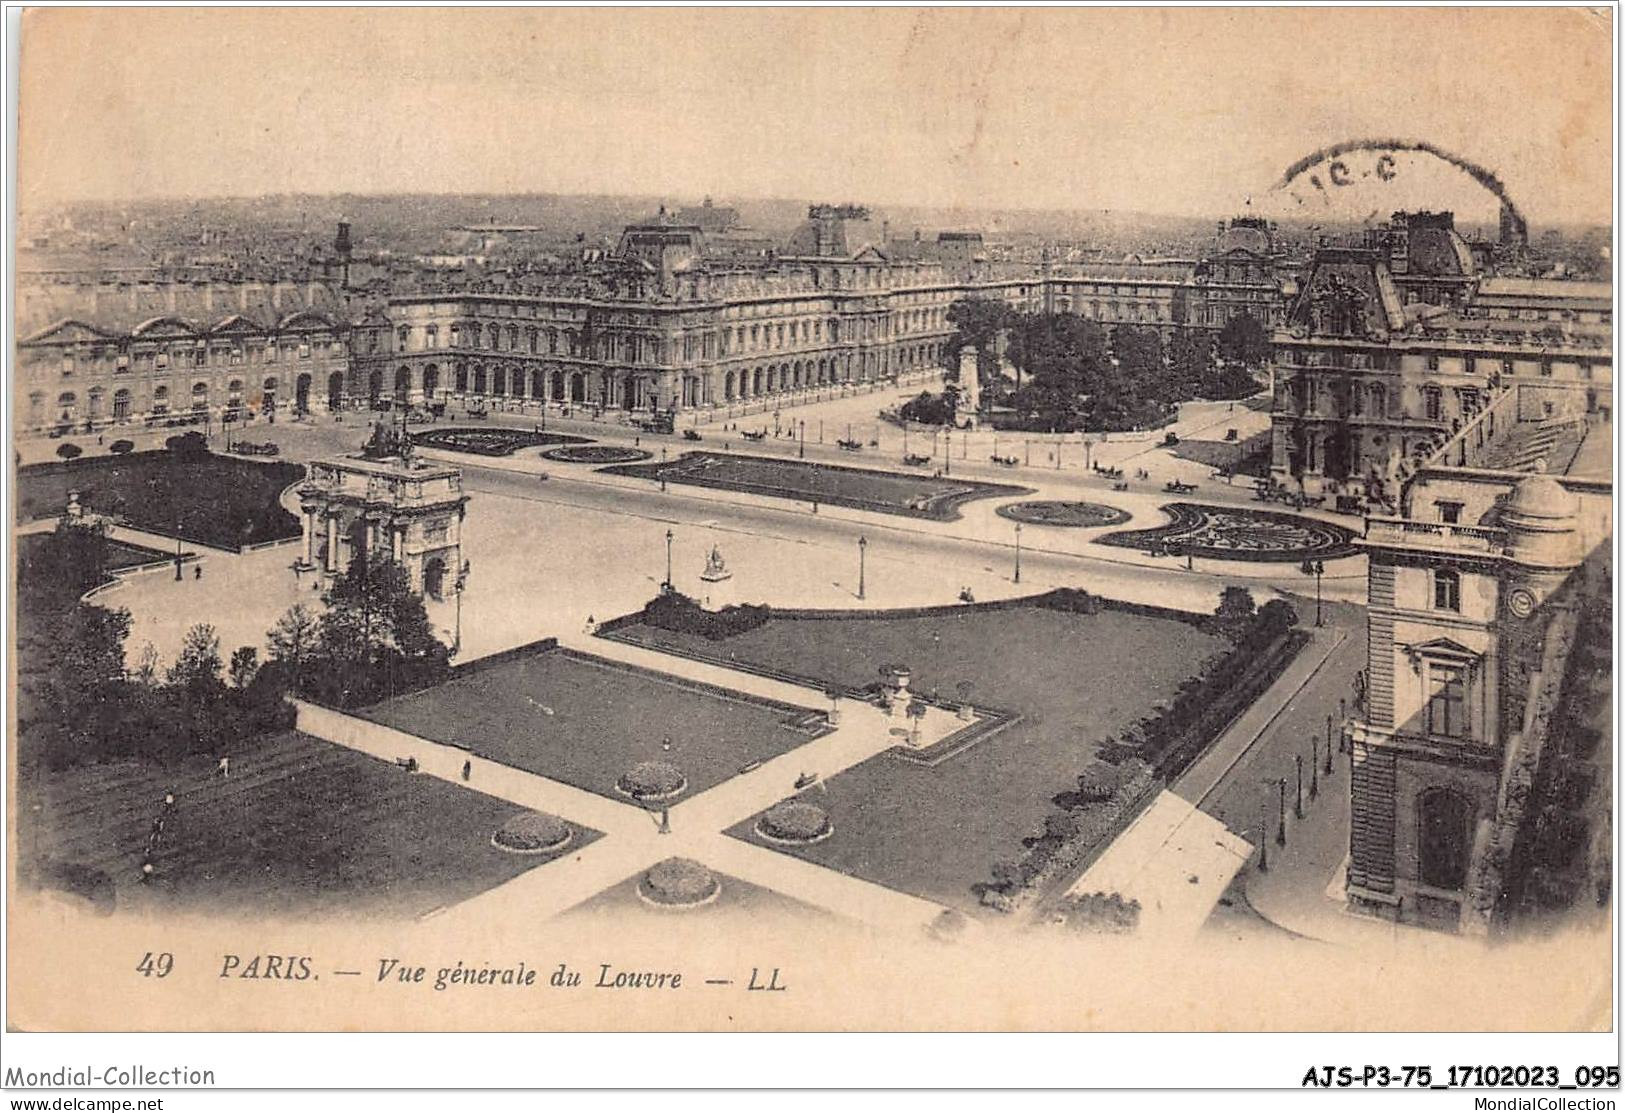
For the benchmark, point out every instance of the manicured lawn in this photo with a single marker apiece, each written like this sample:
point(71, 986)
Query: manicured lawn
point(301, 827)
point(491, 441)
point(915, 496)
point(1076, 680)
point(32, 548)
point(214, 500)
point(586, 721)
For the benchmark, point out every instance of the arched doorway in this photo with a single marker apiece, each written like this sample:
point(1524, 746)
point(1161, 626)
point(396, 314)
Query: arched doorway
point(578, 387)
point(375, 385)
point(431, 382)
point(1444, 838)
point(267, 398)
point(479, 379)
point(728, 387)
point(538, 383)
point(301, 395)
point(121, 405)
point(499, 383)
point(403, 384)
point(335, 390)
point(558, 385)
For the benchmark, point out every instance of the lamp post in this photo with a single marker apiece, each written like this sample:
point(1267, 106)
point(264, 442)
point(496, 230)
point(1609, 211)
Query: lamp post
point(1018, 552)
point(1297, 808)
point(948, 450)
point(1328, 743)
point(667, 584)
point(801, 449)
point(1314, 769)
point(1280, 832)
point(457, 635)
point(863, 544)
point(1316, 569)
point(1263, 836)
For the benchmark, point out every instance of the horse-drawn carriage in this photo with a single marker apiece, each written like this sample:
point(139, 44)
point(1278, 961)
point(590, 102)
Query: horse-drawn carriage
point(1005, 461)
point(1177, 487)
point(915, 460)
point(850, 445)
point(755, 435)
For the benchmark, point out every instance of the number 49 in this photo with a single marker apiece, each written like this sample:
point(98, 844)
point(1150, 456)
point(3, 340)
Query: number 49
point(155, 966)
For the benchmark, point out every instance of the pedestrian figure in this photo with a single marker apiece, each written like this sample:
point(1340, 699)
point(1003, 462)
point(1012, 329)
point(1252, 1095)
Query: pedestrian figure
point(468, 769)
point(590, 625)
point(197, 571)
point(223, 768)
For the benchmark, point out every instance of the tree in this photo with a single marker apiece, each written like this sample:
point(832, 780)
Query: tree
point(375, 637)
point(245, 664)
point(293, 639)
point(69, 451)
point(197, 666)
point(979, 321)
point(1244, 340)
point(121, 447)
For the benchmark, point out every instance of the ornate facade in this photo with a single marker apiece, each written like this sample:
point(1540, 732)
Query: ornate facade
point(1393, 345)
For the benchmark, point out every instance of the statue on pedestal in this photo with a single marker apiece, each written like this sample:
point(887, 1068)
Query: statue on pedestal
point(715, 569)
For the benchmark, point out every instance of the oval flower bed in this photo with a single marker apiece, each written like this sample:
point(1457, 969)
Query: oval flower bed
point(795, 822)
point(652, 780)
point(678, 883)
point(532, 833)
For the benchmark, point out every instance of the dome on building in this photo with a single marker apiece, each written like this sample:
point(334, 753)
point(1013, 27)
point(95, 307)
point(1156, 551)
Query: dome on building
point(1543, 497)
point(1542, 522)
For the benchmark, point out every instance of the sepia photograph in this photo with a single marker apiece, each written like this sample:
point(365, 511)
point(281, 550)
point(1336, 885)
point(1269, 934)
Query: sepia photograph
point(813, 520)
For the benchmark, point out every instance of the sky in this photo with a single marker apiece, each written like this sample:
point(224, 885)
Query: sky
point(1182, 111)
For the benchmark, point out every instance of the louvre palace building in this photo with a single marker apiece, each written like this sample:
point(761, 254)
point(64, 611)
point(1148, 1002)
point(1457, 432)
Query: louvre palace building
point(691, 311)
point(688, 311)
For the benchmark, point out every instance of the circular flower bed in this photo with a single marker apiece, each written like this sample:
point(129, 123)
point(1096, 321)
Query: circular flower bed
point(679, 883)
point(795, 821)
point(597, 454)
point(652, 780)
point(532, 833)
point(1068, 515)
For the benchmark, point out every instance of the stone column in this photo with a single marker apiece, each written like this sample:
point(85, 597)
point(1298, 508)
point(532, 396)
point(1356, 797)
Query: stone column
point(398, 543)
point(332, 542)
point(310, 534)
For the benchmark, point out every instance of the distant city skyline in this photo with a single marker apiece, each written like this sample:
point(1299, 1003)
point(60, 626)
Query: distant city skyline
point(1186, 112)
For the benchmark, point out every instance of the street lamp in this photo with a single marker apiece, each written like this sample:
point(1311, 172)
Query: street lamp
point(1018, 552)
point(667, 584)
point(1280, 832)
point(1263, 836)
point(948, 450)
point(1297, 808)
point(1316, 569)
point(801, 449)
point(863, 544)
point(1314, 768)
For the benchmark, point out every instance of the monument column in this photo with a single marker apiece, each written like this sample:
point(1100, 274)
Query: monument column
point(332, 542)
point(310, 534)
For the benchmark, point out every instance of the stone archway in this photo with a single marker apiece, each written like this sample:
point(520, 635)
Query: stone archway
point(335, 390)
point(431, 382)
point(301, 394)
